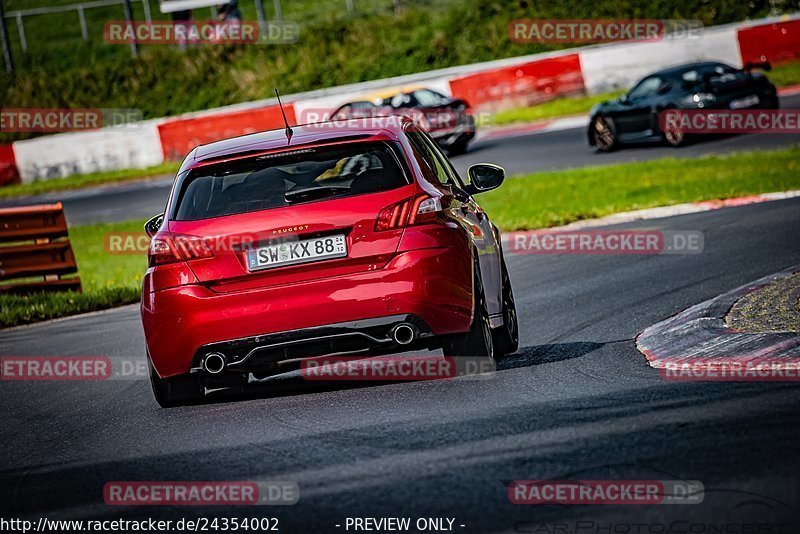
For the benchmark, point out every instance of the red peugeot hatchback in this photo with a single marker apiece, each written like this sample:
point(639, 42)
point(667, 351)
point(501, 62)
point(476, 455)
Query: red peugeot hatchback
point(349, 237)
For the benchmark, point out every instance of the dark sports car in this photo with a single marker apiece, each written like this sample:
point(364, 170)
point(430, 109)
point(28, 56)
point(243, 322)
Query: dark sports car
point(448, 121)
point(634, 117)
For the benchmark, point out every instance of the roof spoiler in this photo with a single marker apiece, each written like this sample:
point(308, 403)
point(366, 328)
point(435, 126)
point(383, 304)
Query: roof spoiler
point(763, 65)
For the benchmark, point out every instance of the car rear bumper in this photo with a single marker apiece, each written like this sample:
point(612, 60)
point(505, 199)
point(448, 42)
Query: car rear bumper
point(184, 323)
point(275, 353)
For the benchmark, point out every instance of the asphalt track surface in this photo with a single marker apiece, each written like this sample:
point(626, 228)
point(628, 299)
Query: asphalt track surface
point(518, 154)
point(576, 402)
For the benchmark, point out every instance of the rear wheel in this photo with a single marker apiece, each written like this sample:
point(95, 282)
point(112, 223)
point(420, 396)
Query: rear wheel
point(603, 134)
point(675, 138)
point(478, 341)
point(458, 147)
point(175, 391)
point(507, 336)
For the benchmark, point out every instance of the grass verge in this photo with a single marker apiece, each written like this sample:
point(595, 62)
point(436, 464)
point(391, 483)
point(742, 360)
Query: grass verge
point(530, 201)
point(560, 107)
point(108, 280)
point(79, 181)
point(554, 198)
point(785, 74)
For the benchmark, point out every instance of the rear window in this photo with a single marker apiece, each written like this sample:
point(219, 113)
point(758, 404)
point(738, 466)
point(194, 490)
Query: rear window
point(717, 71)
point(294, 177)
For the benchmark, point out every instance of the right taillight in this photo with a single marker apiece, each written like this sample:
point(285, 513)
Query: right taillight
point(415, 210)
point(167, 248)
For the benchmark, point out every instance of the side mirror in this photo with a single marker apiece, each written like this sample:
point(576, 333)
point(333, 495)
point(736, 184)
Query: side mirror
point(485, 177)
point(152, 226)
point(623, 98)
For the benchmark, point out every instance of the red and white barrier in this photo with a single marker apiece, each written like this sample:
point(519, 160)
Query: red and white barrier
point(486, 86)
point(775, 42)
point(180, 135)
point(521, 85)
point(133, 146)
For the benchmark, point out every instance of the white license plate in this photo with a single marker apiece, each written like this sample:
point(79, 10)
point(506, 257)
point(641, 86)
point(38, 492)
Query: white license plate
point(294, 252)
point(745, 102)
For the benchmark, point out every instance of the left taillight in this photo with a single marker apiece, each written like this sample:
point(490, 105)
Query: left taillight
point(415, 210)
point(169, 248)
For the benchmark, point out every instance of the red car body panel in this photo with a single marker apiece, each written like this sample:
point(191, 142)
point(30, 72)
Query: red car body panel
point(405, 285)
point(352, 216)
point(425, 270)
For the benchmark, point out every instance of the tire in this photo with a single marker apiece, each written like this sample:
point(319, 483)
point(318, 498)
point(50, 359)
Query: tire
point(457, 148)
point(675, 139)
point(479, 340)
point(175, 391)
point(774, 102)
point(507, 336)
point(604, 134)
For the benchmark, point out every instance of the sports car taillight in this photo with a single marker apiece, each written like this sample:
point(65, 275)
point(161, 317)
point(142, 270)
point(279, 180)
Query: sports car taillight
point(415, 210)
point(167, 248)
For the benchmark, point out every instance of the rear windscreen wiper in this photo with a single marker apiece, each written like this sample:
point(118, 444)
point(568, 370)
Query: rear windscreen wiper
point(314, 192)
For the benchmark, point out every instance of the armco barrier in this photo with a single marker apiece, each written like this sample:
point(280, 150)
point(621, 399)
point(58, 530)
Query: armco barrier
point(38, 249)
point(131, 146)
point(520, 85)
point(179, 136)
point(777, 42)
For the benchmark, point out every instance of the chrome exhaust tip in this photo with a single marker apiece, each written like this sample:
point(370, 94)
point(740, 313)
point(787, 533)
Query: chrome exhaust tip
point(404, 333)
point(214, 363)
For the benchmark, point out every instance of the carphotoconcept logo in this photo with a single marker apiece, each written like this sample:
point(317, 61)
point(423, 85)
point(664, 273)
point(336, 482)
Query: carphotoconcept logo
point(606, 242)
point(601, 31)
point(66, 119)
